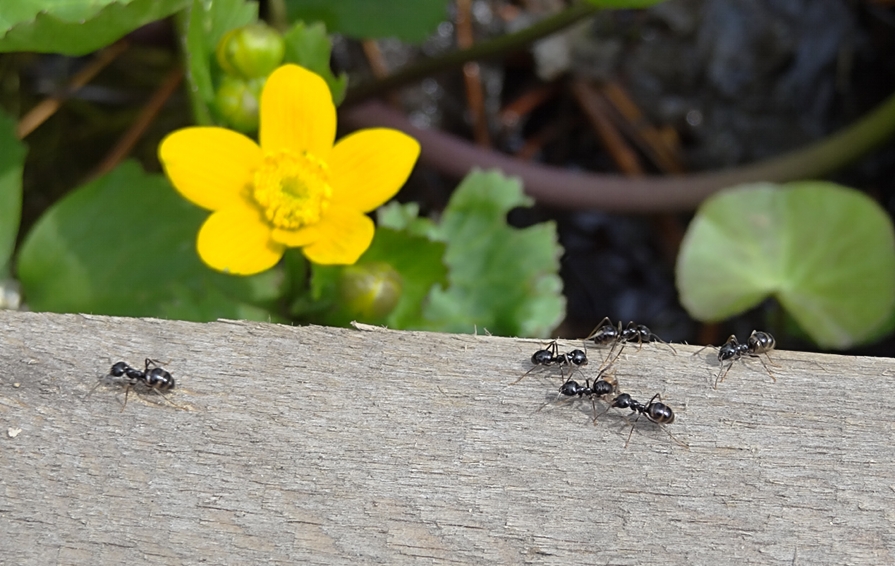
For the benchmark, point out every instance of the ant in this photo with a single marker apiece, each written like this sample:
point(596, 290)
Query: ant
point(607, 333)
point(153, 377)
point(654, 410)
point(550, 356)
point(600, 387)
point(759, 342)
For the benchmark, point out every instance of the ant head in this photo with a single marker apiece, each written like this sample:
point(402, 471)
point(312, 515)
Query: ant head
point(577, 357)
point(604, 386)
point(730, 349)
point(623, 401)
point(119, 369)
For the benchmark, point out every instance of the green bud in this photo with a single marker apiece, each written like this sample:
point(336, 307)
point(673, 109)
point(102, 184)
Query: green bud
point(251, 51)
point(370, 291)
point(237, 101)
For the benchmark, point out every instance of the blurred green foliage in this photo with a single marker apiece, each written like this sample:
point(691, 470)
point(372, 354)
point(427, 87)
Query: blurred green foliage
point(501, 278)
point(76, 27)
point(12, 162)
point(408, 20)
point(125, 245)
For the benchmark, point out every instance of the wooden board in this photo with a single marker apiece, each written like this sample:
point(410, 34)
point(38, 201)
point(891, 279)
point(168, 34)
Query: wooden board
point(320, 445)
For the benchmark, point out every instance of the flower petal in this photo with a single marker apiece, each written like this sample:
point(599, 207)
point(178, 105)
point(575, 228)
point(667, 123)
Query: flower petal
point(237, 240)
point(369, 167)
point(211, 167)
point(296, 238)
point(345, 235)
point(297, 112)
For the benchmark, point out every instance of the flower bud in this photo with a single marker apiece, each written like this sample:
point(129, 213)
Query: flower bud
point(251, 51)
point(237, 101)
point(370, 291)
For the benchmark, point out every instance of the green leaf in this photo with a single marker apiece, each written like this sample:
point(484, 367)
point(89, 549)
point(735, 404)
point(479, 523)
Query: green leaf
point(206, 23)
point(399, 216)
point(623, 4)
point(501, 278)
point(825, 252)
point(12, 160)
point(125, 245)
point(76, 27)
point(408, 20)
point(415, 258)
point(309, 46)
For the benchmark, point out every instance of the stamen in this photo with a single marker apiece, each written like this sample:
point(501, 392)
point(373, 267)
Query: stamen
point(292, 189)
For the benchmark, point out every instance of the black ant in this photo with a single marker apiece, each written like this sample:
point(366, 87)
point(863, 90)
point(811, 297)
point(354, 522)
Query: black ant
point(600, 387)
point(759, 342)
point(153, 377)
point(655, 411)
point(550, 356)
point(607, 333)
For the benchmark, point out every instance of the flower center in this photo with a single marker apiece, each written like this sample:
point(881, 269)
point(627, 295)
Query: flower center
point(293, 189)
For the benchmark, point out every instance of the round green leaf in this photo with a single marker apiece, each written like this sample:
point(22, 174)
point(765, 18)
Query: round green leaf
point(825, 252)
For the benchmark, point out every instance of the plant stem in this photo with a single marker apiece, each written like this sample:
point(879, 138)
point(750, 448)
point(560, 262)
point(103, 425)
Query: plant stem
point(497, 46)
point(570, 189)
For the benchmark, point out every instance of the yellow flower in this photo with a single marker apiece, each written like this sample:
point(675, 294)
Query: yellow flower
point(297, 189)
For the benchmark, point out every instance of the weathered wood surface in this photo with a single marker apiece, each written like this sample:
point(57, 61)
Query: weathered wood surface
point(319, 445)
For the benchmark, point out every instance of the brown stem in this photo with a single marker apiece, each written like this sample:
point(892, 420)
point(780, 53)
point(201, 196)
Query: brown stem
point(133, 134)
point(47, 107)
point(573, 189)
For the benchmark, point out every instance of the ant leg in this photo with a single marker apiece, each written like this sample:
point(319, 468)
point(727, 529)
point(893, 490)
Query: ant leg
point(654, 338)
point(552, 349)
point(663, 427)
point(678, 442)
point(565, 401)
point(722, 374)
point(604, 367)
point(172, 403)
point(632, 326)
point(600, 325)
point(703, 348)
point(126, 391)
point(634, 424)
point(609, 406)
point(92, 389)
point(767, 369)
point(524, 374)
point(660, 425)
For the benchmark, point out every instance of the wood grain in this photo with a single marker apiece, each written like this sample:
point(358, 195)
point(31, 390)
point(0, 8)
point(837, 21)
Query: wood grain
point(320, 445)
